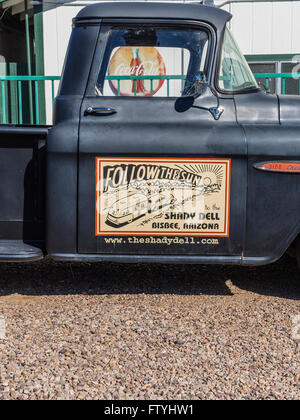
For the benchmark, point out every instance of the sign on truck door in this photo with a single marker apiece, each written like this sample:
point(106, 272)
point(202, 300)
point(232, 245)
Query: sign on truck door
point(152, 178)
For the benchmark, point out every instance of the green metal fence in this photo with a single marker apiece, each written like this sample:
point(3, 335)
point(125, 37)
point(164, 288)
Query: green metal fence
point(267, 77)
point(135, 79)
point(21, 95)
point(26, 92)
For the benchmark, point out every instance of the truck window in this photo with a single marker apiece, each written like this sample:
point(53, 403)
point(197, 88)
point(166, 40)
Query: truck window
point(235, 74)
point(144, 61)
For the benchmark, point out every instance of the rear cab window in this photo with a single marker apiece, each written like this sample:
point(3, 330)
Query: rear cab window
point(153, 61)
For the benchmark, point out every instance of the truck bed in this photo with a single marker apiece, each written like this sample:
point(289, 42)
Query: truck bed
point(22, 172)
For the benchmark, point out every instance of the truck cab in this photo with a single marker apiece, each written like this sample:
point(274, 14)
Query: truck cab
point(163, 148)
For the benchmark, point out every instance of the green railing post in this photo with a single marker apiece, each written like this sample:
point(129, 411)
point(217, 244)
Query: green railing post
point(52, 90)
point(28, 60)
point(39, 58)
point(3, 101)
point(283, 85)
point(135, 86)
point(20, 105)
point(36, 91)
point(267, 83)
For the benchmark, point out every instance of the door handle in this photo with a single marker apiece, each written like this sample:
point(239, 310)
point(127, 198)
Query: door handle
point(100, 111)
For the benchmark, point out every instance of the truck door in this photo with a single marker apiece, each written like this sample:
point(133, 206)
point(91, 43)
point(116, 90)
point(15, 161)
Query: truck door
point(154, 180)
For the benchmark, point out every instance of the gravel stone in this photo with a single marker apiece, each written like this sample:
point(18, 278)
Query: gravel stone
point(112, 331)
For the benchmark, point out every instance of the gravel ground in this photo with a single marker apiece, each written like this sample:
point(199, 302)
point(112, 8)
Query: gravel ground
point(113, 331)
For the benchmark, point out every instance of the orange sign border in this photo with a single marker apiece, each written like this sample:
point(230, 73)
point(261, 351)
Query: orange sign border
point(224, 234)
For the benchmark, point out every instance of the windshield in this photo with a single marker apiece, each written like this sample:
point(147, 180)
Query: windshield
point(235, 74)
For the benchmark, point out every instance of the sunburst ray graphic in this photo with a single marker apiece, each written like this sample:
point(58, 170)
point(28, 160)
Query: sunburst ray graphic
point(211, 173)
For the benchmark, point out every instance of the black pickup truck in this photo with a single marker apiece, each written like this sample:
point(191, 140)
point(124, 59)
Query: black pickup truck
point(163, 149)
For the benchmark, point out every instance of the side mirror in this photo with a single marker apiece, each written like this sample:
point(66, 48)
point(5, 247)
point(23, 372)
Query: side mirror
point(184, 103)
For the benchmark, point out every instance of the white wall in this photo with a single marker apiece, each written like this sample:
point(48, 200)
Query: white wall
point(57, 23)
point(57, 30)
point(267, 28)
point(261, 28)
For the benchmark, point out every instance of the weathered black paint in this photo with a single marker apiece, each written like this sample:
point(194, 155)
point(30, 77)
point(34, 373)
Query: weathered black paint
point(255, 127)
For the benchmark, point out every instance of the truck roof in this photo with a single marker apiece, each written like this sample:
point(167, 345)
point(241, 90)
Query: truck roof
point(153, 10)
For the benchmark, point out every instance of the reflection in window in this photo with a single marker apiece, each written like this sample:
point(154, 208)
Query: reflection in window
point(151, 62)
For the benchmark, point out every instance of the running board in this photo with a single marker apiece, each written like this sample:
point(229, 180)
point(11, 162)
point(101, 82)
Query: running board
point(18, 251)
point(166, 259)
